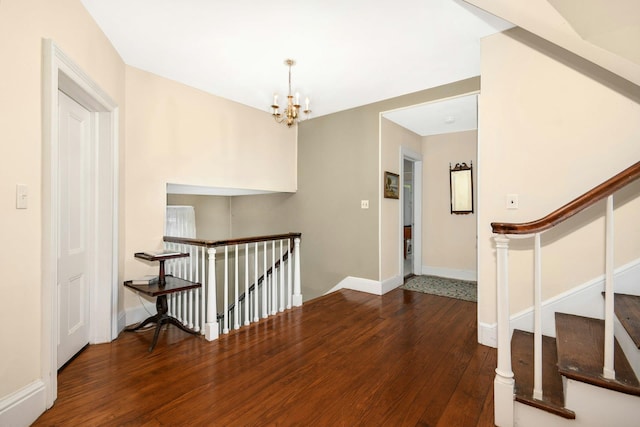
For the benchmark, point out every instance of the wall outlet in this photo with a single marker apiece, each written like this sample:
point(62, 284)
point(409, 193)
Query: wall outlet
point(364, 204)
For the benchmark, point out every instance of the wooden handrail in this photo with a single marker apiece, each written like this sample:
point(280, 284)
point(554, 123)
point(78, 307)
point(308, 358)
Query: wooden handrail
point(216, 243)
point(579, 204)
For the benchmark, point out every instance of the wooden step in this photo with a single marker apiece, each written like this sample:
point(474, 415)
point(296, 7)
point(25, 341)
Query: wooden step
point(627, 308)
point(580, 342)
point(522, 361)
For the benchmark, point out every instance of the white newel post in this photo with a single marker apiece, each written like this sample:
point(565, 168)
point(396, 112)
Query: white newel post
point(297, 293)
point(211, 327)
point(503, 384)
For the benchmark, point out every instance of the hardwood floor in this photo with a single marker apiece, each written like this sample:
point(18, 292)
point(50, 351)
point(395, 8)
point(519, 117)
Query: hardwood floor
point(345, 359)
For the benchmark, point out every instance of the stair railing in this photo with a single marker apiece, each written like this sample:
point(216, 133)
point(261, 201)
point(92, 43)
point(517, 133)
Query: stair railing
point(255, 278)
point(504, 382)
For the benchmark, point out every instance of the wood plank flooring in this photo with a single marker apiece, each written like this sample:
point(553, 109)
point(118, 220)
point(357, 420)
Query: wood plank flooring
point(345, 359)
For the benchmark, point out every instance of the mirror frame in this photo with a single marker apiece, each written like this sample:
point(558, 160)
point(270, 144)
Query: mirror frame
point(461, 188)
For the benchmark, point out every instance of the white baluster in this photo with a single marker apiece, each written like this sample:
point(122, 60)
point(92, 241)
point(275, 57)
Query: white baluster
point(203, 279)
point(225, 306)
point(281, 268)
point(236, 302)
point(265, 286)
point(503, 384)
point(256, 314)
point(247, 300)
point(196, 292)
point(274, 279)
point(190, 312)
point(211, 327)
point(608, 371)
point(297, 294)
point(289, 284)
point(537, 317)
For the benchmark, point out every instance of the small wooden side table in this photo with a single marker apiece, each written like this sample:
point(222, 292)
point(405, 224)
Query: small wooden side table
point(165, 285)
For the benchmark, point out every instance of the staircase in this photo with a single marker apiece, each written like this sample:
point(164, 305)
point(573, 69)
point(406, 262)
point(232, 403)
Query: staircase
point(584, 371)
point(575, 356)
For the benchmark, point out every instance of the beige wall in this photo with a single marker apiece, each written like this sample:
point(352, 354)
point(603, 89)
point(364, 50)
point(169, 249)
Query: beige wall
point(616, 33)
point(551, 127)
point(449, 241)
point(393, 137)
point(23, 25)
point(182, 135)
point(213, 214)
point(339, 164)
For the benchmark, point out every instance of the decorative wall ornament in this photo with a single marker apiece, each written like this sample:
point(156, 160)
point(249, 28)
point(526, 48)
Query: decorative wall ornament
point(461, 186)
point(391, 185)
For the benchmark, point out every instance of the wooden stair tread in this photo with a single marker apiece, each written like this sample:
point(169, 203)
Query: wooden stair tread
point(580, 342)
point(522, 361)
point(627, 308)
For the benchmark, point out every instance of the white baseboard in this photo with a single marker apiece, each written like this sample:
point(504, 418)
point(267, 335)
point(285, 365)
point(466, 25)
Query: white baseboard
point(584, 300)
point(391, 283)
point(367, 285)
point(24, 406)
point(122, 321)
point(451, 273)
point(488, 334)
point(137, 314)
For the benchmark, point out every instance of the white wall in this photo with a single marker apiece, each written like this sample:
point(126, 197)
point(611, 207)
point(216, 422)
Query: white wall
point(551, 127)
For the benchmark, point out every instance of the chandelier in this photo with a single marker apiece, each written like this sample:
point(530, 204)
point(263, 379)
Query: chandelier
point(291, 114)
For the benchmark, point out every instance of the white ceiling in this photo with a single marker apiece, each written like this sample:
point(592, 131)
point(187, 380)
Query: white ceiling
point(348, 53)
point(435, 118)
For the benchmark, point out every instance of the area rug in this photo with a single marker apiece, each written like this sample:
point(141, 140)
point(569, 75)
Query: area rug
point(445, 287)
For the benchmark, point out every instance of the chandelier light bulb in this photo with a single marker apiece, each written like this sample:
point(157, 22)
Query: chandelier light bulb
point(290, 115)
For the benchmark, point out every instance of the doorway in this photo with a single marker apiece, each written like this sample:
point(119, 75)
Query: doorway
point(61, 74)
point(74, 226)
point(411, 213)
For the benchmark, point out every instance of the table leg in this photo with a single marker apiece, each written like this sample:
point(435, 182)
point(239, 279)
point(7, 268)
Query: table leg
point(160, 319)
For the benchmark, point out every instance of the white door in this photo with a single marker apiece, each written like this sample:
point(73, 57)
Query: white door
point(74, 174)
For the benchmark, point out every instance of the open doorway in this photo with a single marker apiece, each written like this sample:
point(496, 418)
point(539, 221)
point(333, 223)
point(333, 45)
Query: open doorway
point(447, 130)
point(411, 213)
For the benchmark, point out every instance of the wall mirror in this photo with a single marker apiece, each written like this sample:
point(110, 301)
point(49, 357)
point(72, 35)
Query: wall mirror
point(461, 183)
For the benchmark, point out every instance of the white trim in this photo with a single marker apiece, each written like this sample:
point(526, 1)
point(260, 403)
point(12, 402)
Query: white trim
point(584, 300)
point(24, 406)
point(61, 73)
point(391, 283)
point(137, 314)
point(451, 273)
point(367, 285)
point(416, 159)
point(488, 334)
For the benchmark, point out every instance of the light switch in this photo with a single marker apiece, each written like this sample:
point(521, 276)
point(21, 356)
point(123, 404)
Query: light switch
point(512, 201)
point(21, 196)
point(364, 204)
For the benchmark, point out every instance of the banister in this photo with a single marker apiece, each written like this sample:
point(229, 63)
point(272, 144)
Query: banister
point(577, 205)
point(228, 242)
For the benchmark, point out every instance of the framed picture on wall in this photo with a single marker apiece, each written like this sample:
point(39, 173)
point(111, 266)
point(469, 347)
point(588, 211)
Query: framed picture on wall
point(391, 185)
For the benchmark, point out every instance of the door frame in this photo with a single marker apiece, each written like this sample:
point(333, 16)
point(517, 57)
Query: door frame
point(416, 159)
point(61, 73)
